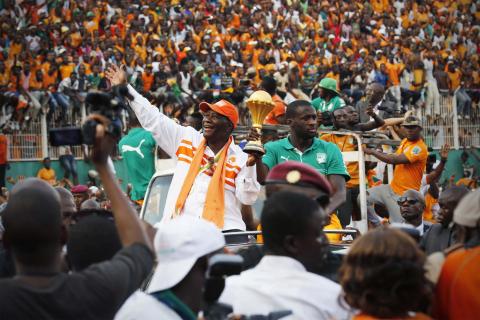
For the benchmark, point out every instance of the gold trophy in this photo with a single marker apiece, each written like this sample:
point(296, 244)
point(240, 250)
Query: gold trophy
point(260, 105)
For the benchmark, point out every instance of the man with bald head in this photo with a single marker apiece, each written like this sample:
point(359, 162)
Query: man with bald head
point(412, 205)
point(442, 234)
point(35, 234)
point(67, 204)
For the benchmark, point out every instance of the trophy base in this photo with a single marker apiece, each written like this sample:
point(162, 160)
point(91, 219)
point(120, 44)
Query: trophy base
point(254, 147)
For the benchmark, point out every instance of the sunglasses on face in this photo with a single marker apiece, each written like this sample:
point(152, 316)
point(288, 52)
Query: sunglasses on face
point(402, 200)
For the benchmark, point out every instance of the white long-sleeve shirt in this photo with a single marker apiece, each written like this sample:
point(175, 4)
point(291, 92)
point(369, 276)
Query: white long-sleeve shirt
point(281, 283)
point(181, 143)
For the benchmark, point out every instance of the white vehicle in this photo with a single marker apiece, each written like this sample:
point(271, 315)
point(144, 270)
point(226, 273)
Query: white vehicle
point(155, 197)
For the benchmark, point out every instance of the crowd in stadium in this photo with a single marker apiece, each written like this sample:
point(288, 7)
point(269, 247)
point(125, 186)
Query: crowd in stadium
point(182, 52)
point(187, 72)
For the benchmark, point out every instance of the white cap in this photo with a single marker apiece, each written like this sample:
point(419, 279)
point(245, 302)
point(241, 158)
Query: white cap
point(179, 243)
point(467, 213)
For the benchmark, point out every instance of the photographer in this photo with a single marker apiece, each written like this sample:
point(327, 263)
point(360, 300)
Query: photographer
point(35, 234)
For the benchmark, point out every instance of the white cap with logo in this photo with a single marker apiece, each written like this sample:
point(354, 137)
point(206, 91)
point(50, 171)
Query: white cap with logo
point(179, 243)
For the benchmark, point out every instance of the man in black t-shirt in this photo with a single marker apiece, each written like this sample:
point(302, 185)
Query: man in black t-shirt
point(34, 233)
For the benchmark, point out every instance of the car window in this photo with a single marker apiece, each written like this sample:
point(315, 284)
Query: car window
point(155, 199)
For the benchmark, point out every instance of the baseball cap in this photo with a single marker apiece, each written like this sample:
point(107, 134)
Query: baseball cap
point(467, 213)
point(297, 173)
point(224, 108)
point(412, 121)
point(179, 243)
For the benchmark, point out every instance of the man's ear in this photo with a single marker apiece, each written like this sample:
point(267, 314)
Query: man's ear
point(291, 245)
point(288, 121)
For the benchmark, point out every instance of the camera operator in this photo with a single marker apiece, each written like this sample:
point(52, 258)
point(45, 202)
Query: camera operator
point(183, 246)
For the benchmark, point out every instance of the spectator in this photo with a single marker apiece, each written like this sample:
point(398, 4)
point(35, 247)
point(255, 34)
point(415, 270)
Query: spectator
point(383, 259)
point(47, 173)
point(303, 146)
point(349, 209)
point(80, 194)
point(412, 205)
point(329, 99)
point(67, 205)
point(410, 159)
point(68, 163)
point(92, 239)
point(441, 235)
point(138, 151)
point(294, 241)
point(277, 115)
point(459, 279)
point(175, 292)
point(36, 243)
point(194, 120)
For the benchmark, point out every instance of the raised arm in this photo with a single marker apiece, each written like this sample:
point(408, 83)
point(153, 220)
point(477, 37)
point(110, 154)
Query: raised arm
point(166, 132)
point(389, 158)
point(437, 172)
point(376, 123)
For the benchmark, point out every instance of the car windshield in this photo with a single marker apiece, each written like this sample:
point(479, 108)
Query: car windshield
point(155, 199)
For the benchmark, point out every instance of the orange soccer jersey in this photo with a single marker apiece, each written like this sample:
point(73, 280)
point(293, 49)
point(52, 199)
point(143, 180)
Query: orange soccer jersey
point(409, 176)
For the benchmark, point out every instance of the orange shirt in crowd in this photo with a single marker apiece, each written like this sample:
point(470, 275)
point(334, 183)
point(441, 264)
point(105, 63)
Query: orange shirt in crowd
point(394, 71)
point(147, 80)
point(457, 288)
point(3, 148)
point(455, 78)
point(430, 201)
point(409, 176)
point(66, 70)
point(279, 110)
point(346, 143)
point(47, 175)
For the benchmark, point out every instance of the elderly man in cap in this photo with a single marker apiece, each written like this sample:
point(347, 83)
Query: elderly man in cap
point(212, 179)
point(409, 160)
point(183, 247)
point(457, 288)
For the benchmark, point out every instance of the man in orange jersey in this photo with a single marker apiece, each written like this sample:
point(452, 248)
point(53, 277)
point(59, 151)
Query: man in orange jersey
point(409, 160)
point(457, 288)
point(212, 178)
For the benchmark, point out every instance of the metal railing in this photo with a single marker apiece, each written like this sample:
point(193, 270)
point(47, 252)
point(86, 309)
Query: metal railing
point(31, 143)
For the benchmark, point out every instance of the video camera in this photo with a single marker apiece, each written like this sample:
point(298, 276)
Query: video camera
point(107, 104)
point(221, 266)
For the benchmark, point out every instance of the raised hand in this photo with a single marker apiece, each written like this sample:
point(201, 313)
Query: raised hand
point(444, 151)
point(116, 75)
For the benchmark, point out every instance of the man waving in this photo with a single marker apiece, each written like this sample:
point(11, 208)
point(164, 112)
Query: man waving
point(212, 179)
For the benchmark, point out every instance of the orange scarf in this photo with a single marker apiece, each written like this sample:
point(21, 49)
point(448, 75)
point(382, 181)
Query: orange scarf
point(214, 208)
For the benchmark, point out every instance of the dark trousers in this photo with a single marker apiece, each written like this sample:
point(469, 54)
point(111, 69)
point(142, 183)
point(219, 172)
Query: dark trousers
point(350, 209)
